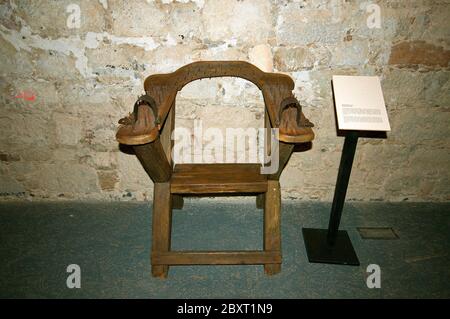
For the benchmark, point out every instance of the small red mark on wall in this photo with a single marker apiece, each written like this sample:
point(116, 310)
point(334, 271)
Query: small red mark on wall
point(26, 95)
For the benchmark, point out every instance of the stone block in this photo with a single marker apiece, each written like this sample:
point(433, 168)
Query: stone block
point(413, 54)
point(248, 21)
point(68, 129)
point(297, 25)
point(107, 180)
point(137, 19)
point(9, 187)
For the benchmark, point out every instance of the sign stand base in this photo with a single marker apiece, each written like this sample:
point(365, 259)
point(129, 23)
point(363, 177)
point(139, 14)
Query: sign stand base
point(320, 251)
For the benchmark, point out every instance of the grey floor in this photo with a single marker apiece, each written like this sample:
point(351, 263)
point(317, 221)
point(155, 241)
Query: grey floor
point(111, 244)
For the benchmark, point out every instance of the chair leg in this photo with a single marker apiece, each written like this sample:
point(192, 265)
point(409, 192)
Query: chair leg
point(260, 200)
point(162, 222)
point(177, 202)
point(272, 224)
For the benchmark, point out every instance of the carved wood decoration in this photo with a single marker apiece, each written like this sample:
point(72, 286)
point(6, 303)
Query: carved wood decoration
point(148, 129)
point(283, 109)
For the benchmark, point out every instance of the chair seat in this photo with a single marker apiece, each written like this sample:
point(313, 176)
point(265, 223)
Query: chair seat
point(218, 178)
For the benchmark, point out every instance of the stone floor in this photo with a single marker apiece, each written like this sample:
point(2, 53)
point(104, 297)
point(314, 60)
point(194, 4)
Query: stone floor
point(111, 244)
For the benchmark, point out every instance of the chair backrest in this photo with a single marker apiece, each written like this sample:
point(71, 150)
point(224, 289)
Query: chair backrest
point(275, 87)
point(153, 142)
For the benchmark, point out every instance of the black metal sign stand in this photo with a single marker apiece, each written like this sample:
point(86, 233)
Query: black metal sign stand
point(333, 246)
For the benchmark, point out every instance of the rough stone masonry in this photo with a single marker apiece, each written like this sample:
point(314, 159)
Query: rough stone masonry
point(71, 68)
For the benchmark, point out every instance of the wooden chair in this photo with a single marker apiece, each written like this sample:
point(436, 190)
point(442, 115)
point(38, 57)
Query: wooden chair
point(148, 130)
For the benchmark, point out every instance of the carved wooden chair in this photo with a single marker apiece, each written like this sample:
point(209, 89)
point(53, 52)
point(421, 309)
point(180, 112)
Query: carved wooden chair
point(148, 130)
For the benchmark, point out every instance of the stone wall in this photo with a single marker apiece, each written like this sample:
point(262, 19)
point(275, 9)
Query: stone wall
point(65, 83)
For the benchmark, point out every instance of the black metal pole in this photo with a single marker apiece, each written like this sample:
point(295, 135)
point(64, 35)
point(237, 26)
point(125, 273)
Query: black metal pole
point(333, 246)
point(345, 168)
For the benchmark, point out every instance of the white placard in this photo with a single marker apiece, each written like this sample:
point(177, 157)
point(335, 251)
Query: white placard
point(359, 103)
